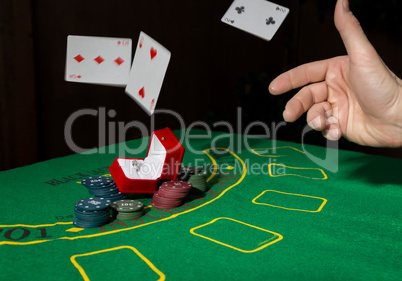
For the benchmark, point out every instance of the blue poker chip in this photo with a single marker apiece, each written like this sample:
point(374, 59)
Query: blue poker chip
point(97, 181)
point(103, 220)
point(93, 204)
point(101, 187)
point(92, 214)
point(83, 224)
point(116, 196)
point(103, 192)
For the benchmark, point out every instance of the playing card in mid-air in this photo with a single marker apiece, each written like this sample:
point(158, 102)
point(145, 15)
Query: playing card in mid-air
point(259, 17)
point(98, 60)
point(150, 63)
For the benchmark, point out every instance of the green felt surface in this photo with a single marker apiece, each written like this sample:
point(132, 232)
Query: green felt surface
point(292, 220)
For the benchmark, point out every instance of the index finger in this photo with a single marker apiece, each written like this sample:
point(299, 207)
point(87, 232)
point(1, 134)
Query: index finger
point(299, 76)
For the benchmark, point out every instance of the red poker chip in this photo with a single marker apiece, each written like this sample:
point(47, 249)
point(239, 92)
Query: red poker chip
point(177, 184)
point(163, 206)
point(175, 189)
point(167, 196)
point(167, 204)
point(171, 195)
point(161, 199)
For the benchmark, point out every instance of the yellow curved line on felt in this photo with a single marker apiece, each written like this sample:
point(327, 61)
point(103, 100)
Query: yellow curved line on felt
point(254, 151)
point(275, 206)
point(297, 168)
point(24, 243)
point(142, 225)
point(213, 162)
point(39, 225)
point(280, 237)
point(85, 276)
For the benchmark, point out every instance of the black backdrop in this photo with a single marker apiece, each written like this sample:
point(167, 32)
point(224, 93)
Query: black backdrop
point(214, 68)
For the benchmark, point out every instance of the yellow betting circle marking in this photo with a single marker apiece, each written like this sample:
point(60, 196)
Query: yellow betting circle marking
point(214, 163)
point(296, 168)
point(316, 211)
point(142, 225)
point(267, 242)
point(273, 148)
point(85, 276)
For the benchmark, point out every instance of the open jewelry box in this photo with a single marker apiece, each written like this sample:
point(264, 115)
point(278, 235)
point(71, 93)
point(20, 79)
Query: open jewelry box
point(141, 175)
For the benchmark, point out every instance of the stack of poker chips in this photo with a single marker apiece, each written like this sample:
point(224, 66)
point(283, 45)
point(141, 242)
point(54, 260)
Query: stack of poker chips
point(199, 181)
point(185, 173)
point(170, 194)
point(128, 209)
point(92, 212)
point(104, 187)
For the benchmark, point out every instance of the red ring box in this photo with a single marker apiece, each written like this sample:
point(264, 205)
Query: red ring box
point(163, 160)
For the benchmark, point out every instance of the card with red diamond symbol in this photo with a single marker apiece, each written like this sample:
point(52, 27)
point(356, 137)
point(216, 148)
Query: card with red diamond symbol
point(149, 67)
point(98, 60)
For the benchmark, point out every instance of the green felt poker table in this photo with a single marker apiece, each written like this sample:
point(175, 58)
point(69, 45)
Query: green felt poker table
point(271, 212)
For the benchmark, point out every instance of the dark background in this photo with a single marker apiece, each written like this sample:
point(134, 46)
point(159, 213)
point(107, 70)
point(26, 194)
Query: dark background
point(214, 68)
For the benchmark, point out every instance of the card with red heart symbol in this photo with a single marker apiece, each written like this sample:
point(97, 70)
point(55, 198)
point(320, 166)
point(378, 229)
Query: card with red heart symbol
point(150, 63)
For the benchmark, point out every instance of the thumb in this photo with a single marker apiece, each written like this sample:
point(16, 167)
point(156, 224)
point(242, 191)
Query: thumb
point(351, 32)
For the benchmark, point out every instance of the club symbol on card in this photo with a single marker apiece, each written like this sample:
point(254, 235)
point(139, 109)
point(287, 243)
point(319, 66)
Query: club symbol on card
point(119, 61)
point(79, 58)
point(99, 59)
point(280, 9)
point(240, 9)
point(141, 92)
point(269, 21)
point(153, 52)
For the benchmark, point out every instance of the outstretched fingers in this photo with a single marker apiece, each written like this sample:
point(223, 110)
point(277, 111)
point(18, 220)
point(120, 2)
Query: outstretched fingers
point(300, 76)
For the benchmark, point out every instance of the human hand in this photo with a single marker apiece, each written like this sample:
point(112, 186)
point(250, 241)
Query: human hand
point(355, 96)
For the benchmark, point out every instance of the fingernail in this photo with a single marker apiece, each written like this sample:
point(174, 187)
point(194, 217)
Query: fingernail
point(346, 5)
point(315, 123)
point(334, 134)
point(271, 88)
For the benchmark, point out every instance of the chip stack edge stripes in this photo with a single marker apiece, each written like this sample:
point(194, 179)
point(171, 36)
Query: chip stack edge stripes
point(92, 212)
point(103, 187)
point(171, 194)
point(127, 209)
